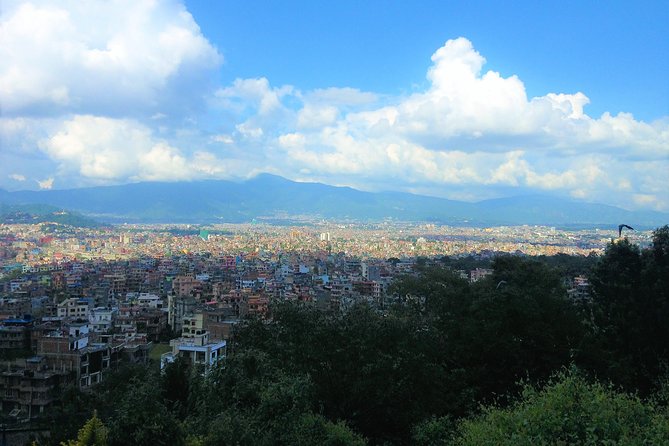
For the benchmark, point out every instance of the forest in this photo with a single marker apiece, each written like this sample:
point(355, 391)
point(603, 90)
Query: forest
point(508, 360)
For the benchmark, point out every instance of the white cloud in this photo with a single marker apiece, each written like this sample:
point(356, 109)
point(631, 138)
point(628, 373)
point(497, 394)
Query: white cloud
point(225, 139)
point(255, 93)
point(17, 177)
point(340, 96)
point(471, 128)
point(312, 116)
point(97, 56)
point(247, 130)
point(46, 184)
point(89, 86)
point(114, 150)
point(292, 140)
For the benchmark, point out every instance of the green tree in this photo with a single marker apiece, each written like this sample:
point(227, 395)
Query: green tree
point(315, 430)
point(252, 402)
point(630, 310)
point(73, 406)
point(512, 330)
point(142, 418)
point(568, 411)
point(179, 385)
point(434, 432)
point(93, 433)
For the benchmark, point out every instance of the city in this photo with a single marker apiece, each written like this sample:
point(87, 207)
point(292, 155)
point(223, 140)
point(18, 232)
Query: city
point(343, 223)
point(118, 292)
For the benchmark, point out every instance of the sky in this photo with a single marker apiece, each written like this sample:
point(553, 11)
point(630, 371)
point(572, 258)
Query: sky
point(464, 100)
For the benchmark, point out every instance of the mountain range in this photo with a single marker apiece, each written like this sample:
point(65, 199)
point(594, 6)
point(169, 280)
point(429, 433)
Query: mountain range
point(272, 197)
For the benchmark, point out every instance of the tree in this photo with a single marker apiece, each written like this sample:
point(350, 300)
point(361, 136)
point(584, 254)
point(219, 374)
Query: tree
point(434, 432)
point(315, 430)
point(252, 402)
point(511, 331)
point(569, 410)
point(630, 310)
point(179, 385)
point(93, 433)
point(73, 406)
point(374, 371)
point(142, 418)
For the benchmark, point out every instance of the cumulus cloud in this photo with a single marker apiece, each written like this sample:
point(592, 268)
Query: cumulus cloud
point(103, 92)
point(114, 150)
point(253, 93)
point(466, 108)
point(97, 56)
point(471, 128)
point(46, 184)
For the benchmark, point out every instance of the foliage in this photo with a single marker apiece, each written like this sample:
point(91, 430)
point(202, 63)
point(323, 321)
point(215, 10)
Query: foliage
point(39, 213)
point(505, 321)
point(569, 411)
point(257, 404)
point(630, 310)
point(467, 263)
point(65, 420)
point(93, 433)
point(365, 367)
point(434, 432)
point(141, 417)
point(315, 430)
point(570, 265)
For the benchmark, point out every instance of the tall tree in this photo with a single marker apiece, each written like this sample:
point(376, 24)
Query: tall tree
point(93, 433)
point(630, 308)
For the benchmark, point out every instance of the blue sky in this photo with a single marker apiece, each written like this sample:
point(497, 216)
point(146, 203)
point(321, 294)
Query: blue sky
point(618, 52)
point(466, 100)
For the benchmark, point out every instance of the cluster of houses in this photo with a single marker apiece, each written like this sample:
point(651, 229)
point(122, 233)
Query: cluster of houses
point(70, 323)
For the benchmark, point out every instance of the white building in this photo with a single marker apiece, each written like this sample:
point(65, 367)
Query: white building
point(149, 300)
point(197, 350)
point(78, 336)
point(101, 319)
point(194, 345)
point(74, 308)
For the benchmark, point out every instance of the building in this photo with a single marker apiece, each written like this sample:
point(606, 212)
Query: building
point(580, 288)
point(177, 308)
point(479, 273)
point(193, 325)
point(197, 350)
point(149, 300)
point(70, 349)
point(15, 334)
point(74, 308)
point(152, 322)
point(220, 322)
point(101, 319)
point(184, 286)
point(31, 388)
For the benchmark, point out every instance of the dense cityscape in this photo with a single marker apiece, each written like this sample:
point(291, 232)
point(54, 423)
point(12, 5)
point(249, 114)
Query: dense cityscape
point(77, 303)
point(35, 245)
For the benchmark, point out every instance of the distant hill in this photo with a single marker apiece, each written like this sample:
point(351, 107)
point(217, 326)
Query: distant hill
point(41, 213)
point(271, 196)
